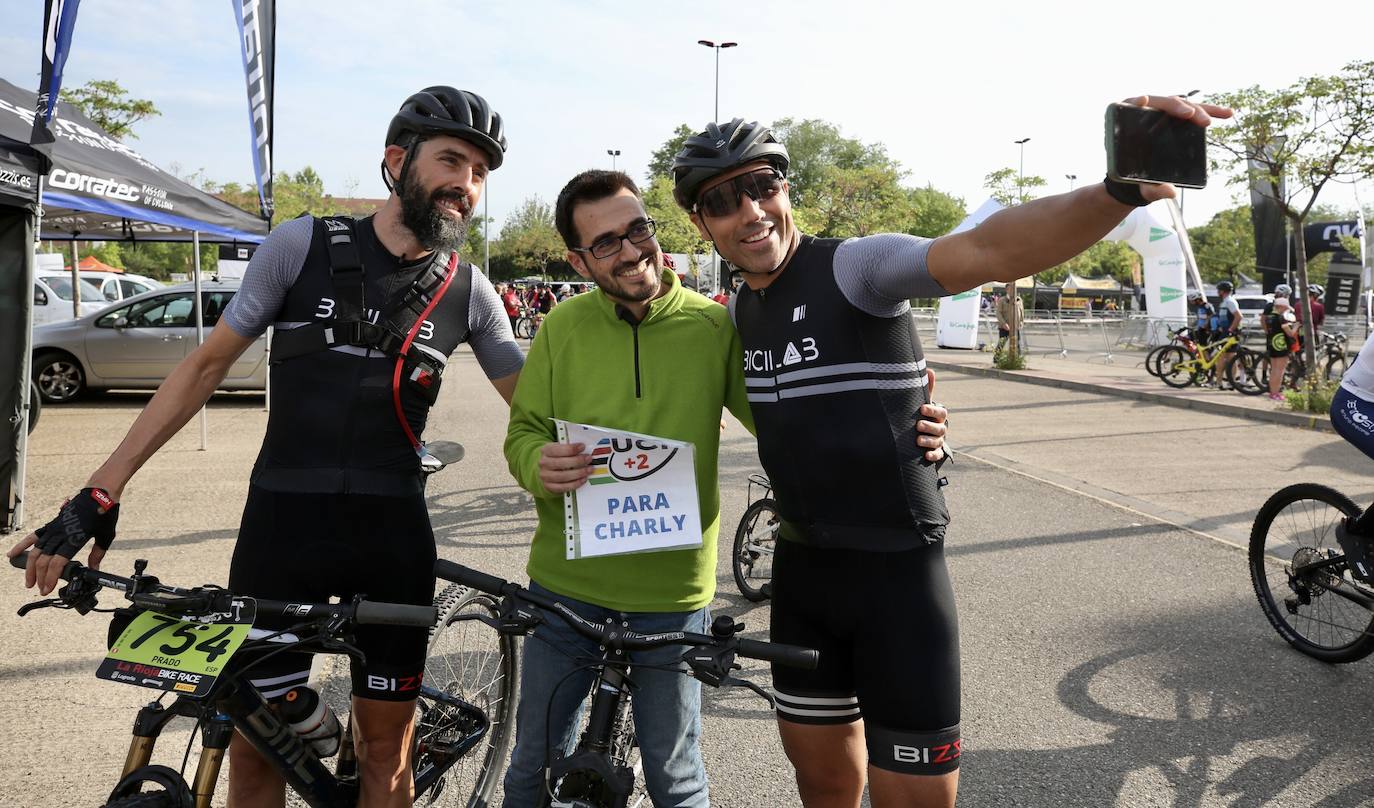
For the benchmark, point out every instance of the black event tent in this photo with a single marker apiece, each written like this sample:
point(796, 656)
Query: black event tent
point(98, 189)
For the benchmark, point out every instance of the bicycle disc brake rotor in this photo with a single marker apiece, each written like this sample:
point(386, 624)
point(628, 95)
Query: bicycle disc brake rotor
point(1308, 585)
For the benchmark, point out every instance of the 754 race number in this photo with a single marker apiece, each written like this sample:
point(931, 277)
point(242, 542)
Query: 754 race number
point(183, 656)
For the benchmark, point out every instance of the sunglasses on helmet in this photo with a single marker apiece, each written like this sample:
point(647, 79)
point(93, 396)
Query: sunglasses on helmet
point(724, 199)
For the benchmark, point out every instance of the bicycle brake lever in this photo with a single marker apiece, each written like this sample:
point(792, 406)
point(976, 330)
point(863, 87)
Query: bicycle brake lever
point(512, 618)
point(55, 603)
point(731, 681)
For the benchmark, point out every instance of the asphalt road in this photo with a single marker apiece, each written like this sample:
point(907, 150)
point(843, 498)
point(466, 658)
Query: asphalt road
point(1113, 653)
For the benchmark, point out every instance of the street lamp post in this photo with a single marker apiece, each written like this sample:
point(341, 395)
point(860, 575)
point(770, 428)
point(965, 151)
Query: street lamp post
point(1014, 322)
point(614, 153)
point(717, 48)
point(715, 254)
point(1071, 178)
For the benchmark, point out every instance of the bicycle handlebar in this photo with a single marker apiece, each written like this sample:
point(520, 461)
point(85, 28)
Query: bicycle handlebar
point(148, 592)
point(619, 638)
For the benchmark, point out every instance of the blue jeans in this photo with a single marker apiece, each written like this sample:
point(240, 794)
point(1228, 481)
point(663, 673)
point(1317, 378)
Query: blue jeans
point(666, 707)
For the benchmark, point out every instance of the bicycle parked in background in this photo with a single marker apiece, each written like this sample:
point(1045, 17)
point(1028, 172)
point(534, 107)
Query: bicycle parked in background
point(756, 539)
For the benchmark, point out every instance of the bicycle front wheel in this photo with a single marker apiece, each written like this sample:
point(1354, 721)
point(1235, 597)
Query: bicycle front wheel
point(1176, 367)
point(472, 661)
point(1294, 532)
point(755, 540)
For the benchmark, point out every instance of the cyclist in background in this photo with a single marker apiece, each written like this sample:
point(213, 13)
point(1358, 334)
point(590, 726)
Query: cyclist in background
point(1352, 414)
point(1225, 324)
point(1202, 321)
point(1281, 336)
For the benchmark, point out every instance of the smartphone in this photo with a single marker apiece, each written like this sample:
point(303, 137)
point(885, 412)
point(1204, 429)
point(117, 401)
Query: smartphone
point(1146, 145)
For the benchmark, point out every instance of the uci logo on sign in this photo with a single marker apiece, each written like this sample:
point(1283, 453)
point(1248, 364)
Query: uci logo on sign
point(637, 459)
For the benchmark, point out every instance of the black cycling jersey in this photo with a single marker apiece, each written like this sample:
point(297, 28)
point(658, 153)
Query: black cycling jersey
point(835, 393)
point(333, 424)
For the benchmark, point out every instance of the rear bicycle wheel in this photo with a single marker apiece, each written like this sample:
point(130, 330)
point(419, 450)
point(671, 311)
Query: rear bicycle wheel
point(475, 663)
point(1152, 359)
point(756, 539)
point(1243, 372)
point(1176, 367)
point(1293, 534)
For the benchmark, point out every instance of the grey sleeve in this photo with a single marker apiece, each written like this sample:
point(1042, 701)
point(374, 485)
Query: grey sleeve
point(879, 274)
point(489, 331)
point(271, 272)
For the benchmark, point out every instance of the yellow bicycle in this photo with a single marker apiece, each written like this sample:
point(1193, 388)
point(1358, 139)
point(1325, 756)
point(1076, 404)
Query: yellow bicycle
point(1179, 368)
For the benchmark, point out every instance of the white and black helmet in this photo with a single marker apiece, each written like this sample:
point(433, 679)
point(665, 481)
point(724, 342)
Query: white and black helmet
point(721, 148)
point(446, 111)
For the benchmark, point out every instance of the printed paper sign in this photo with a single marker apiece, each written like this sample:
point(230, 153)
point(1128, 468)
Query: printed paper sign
point(640, 498)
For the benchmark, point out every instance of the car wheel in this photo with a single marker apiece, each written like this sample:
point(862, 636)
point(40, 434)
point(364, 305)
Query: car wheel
point(59, 377)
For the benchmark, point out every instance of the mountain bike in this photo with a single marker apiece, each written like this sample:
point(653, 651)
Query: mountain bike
point(756, 538)
point(601, 771)
point(1301, 578)
point(1176, 368)
point(1333, 358)
point(1179, 337)
point(197, 645)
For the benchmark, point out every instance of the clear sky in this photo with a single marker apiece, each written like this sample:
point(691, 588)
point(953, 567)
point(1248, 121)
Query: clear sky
point(946, 86)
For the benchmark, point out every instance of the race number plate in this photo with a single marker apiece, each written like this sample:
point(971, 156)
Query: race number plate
point(183, 656)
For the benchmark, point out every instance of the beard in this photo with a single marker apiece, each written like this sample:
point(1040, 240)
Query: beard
point(433, 227)
point(612, 286)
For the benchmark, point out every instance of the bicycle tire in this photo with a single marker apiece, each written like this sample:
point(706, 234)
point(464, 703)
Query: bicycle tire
point(1176, 367)
point(1152, 358)
point(451, 643)
point(625, 752)
point(744, 560)
point(160, 799)
point(1246, 362)
point(1335, 367)
point(1297, 524)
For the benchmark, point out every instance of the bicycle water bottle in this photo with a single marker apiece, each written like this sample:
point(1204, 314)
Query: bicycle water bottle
point(312, 719)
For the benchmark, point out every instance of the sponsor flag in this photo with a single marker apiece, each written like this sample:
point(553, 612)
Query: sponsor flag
point(257, 20)
point(59, 20)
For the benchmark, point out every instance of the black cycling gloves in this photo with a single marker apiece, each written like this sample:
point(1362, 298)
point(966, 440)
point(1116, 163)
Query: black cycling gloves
point(80, 520)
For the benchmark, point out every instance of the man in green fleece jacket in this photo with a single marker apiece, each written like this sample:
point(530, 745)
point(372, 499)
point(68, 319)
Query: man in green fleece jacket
point(640, 354)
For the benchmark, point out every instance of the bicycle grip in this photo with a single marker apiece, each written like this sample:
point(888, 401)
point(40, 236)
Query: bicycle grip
point(792, 656)
point(377, 613)
point(470, 578)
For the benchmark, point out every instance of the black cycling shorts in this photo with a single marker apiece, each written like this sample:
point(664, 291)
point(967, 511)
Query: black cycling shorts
point(888, 635)
point(310, 547)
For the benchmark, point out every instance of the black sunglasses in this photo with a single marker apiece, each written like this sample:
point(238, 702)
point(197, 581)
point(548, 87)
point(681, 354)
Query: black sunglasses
point(723, 199)
point(606, 246)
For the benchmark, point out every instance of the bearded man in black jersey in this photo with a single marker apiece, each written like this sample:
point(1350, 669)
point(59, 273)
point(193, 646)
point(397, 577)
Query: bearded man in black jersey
point(835, 375)
point(336, 503)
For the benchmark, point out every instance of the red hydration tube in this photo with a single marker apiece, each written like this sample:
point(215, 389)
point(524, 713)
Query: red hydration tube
point(405, 349)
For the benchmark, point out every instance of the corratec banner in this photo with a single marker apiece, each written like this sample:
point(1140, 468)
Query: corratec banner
point(102, 190)
point(257, 21)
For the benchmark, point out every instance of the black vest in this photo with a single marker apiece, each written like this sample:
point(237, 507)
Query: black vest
point(835, 393)
point(333, 425)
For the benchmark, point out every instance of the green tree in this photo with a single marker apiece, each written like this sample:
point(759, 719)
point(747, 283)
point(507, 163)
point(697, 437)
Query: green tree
point(1009, 187)
point(813, 145)
point(661, 161)
point(856, 201)
point(1225, 245)
point(675, 233)
point(933, 212)
point(1105, 259)
point(529, 241)
point(109, 106)
point(1317, 130)
point(474, 247)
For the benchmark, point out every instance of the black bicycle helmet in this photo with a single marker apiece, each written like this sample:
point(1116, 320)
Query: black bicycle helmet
point(719, 149)
point(446, 111)
point(1224, 286)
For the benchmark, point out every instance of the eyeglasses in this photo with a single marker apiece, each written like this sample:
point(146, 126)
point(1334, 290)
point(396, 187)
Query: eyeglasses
point(724, 199)
point(606, 246)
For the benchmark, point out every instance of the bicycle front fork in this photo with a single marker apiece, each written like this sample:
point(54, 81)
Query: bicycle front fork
point(214, 737)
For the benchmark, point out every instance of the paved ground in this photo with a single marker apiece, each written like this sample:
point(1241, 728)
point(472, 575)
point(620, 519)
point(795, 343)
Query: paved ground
point(1113, 653)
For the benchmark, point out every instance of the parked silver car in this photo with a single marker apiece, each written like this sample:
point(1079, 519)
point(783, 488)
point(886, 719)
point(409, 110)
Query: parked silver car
point(136, 344)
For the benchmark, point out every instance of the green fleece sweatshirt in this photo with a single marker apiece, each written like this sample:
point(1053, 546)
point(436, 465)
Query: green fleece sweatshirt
point(584, 367)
